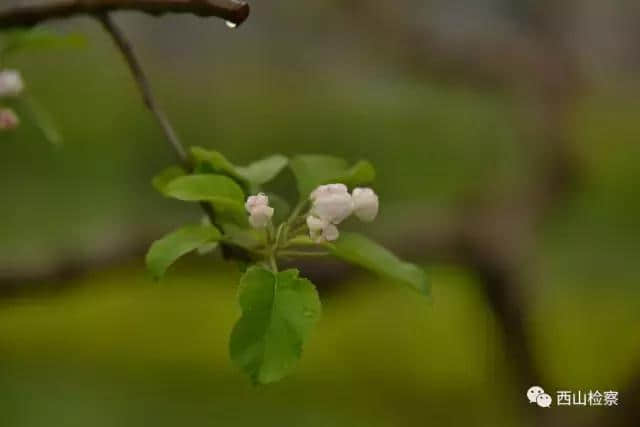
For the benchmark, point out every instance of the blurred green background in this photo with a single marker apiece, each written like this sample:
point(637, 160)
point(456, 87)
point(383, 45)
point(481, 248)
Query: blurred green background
point(109, 347)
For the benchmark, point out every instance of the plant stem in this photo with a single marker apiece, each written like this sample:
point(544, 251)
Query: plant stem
point(302, 254)
point(276, 244)
point(296, 211)
point(145, 88)
point(150, 102)
point(301, 229)
point(273, 263)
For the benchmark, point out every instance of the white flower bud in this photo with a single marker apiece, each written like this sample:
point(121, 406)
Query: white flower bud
point(315, 228)
point(260, 213)
point(260, 216)
point(315, 224)
point(321, 230)
point(330, 233)
point(331, 203)
point(11, 83)
point(8, 119)
point(365, 204)
point(324, 190)
point(253, 202)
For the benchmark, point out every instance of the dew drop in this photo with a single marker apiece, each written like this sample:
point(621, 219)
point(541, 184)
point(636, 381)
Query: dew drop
point(230, 24)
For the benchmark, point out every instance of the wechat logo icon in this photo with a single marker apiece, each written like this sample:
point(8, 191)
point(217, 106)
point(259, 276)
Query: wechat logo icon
point(537, 395)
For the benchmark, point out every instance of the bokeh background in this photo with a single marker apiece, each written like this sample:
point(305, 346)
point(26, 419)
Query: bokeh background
point(507, 142)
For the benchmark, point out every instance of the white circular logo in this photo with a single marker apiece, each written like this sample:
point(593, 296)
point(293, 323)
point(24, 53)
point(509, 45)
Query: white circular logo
point(544, 400)
point(533, 393)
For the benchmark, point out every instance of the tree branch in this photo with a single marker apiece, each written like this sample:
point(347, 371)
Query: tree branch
point(236, 11)
point(126, 49)
point(145, 88)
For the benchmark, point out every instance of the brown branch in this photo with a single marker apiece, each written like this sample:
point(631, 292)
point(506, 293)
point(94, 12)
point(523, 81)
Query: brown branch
point(235, 11)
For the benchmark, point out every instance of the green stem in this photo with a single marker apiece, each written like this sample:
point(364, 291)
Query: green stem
point(300, 230)
point(302, 254)
point(273, 263)
point(296, 211)
point(269, 233)
point(43, 120)
point(276, 244)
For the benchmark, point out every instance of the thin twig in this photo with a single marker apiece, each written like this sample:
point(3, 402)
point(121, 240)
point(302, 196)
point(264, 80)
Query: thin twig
point(126, 49)
point(145, 88)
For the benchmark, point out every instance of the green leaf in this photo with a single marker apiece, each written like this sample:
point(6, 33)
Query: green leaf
point(247, 238)
point(278, 313)
point(281, 208)
point(253, 175)
point(361, 173)
point(39, 39)
point(163, 179)
point(167, 250)
point(360, 250)
point(314, 170)
point(215, 162)
point(264, 170)
point(224, 194)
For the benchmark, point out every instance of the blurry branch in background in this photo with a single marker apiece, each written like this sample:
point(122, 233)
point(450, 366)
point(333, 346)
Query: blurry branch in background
point(626, 414)
point(494, 236)
point(235, 11)
point(61, 273)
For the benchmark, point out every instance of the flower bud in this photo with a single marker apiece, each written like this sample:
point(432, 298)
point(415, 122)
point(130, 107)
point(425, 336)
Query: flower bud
point(260, 216)
point(321, 230)
point(11, 83)
point(325, 190)
point(365, 204)
point(331, 203)
point(315, 228)
point(260, 213)
point(253, 202)
point(330, 233)
point(8, 119)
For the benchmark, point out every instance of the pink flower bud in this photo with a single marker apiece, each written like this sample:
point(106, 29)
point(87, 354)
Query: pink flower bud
point(8, 119)
point(260, 216)
point(253, 202)
point(260, 213)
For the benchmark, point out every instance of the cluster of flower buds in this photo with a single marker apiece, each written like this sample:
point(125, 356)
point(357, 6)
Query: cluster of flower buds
point(331, 204)
point(11, 85)
point(260, 213)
